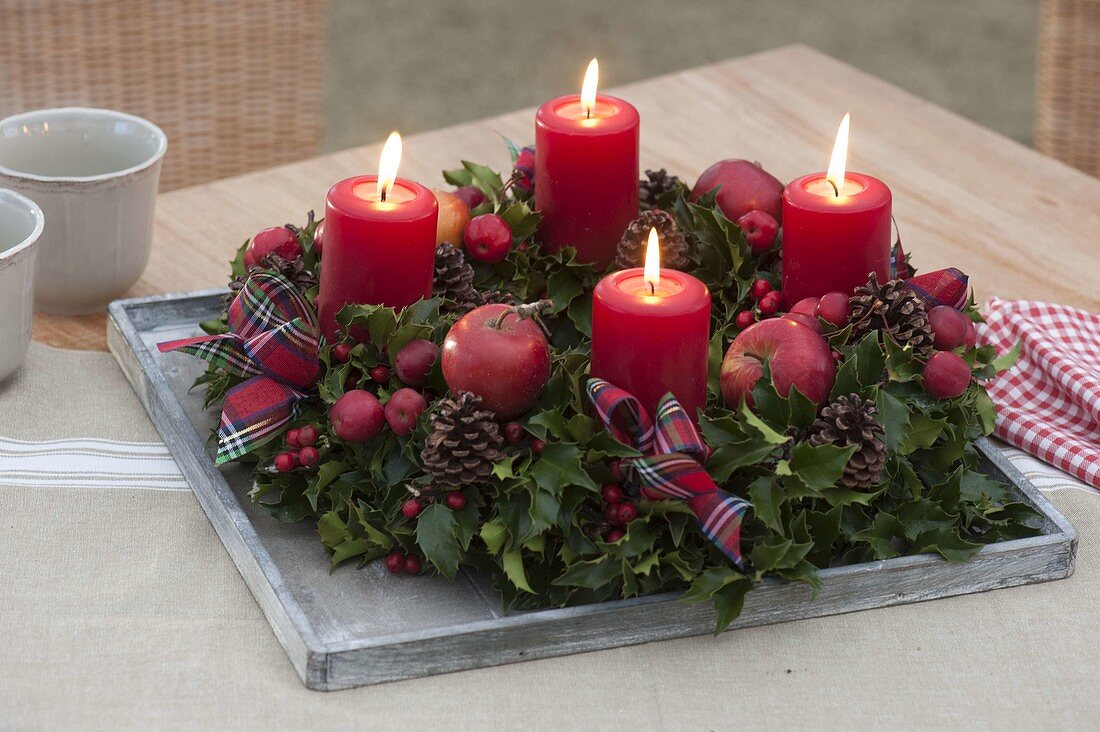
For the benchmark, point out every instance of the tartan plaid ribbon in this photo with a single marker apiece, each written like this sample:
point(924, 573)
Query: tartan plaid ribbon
point(672, 465)
point(942, 287)
point(273, 339)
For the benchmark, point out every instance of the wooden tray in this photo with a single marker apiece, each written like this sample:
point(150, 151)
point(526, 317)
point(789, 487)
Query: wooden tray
point(357, 627)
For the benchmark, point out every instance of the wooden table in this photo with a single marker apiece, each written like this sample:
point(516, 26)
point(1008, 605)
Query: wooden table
point(1021, 224)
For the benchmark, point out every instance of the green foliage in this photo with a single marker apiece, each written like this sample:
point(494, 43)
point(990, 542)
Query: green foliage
point(537, 526)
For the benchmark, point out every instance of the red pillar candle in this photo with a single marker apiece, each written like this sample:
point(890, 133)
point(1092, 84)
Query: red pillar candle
point(586, 172)
point(836, 229)
point(650, 333)
point(379, 242)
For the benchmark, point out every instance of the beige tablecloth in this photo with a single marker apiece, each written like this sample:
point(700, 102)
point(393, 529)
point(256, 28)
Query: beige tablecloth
point(119, 608)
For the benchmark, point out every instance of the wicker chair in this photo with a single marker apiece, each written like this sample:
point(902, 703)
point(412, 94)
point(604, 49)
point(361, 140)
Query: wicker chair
point(236, 84)
point(1067, 109)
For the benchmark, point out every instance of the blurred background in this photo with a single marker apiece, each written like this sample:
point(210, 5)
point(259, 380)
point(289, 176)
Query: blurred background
point(245, 84)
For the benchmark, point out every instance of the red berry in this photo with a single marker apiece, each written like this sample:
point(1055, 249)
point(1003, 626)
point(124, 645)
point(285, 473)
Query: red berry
point(616, 467)
point(611, 514)
point(472, 196)
point(759, 289)
point(357, 416)
point(769, 304)
point(277, 240)
point(950, 328)
point(946, 375)
point(319, 239)
point(744, 319)
point(284, 462)
point(293, 438)
point(395, 562)
point(351, 381)
point(536, 446)
point(614, 535)
point(834, 308)
point(513, 432)
point(612, 493)
point(307, 436)
point(488, 238)
point(760, 229)
point(412, 508)
point(308, 457)
point(414, 361)
point(380, 374)
point(837, 355)
point(342, 352)
point(455, 501)
point(412, 564)
point(627, 513)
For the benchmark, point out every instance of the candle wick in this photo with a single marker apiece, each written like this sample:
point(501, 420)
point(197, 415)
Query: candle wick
point(836, 191)
point(588, 112)
point(382, 195)
point(652, 288)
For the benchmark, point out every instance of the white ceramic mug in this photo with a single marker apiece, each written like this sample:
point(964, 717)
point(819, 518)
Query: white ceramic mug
point(20, 229)
point(94, 173)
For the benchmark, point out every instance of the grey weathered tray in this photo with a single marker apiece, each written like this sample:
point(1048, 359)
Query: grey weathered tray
point(357, 627)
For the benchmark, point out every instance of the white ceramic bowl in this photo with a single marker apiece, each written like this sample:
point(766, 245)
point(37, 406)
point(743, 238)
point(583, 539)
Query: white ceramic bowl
point(94, 172)
point(21, 224)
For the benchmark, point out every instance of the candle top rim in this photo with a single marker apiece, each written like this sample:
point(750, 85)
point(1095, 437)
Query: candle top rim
point(624, 115)
point(343, 198)
point(874, 194)
point(686, 299)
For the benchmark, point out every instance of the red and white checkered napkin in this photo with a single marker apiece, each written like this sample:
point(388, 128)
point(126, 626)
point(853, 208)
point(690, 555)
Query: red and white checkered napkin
point(1049, 403)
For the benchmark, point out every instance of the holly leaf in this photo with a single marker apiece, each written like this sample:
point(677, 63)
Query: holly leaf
point(923, 432)
point(820, 466)
point(895, 418)
point(512, 564)
point(435, 534)
point(559, 467)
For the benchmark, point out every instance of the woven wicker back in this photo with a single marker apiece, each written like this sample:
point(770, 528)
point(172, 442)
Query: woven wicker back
point(235, 84)
point(1067, 109)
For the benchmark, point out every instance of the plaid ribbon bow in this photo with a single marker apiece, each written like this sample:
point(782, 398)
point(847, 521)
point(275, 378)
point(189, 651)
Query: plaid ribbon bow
point(671, 468)
point(942, 287)
point(273, 339)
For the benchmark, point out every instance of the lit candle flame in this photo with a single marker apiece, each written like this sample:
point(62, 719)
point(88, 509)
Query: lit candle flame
point(388, 163)
point(835, 174)
point(588, 89)
point(652, 272)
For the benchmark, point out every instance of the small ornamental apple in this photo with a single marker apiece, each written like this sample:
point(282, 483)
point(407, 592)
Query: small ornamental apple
point(403, 409)
point(499, 353)
point(834, 308)
point(357, 416)
point(743, 187)
point(806, 306)
point(454, 214)
point(795, 354)
point(277, 240)
point(971, 335)
point(806, 320)
point(319, 239)
point(488, 238)
point(950, 328)
point(472, 196)
point(760, 229)
point(414, 362)
point(946, 375)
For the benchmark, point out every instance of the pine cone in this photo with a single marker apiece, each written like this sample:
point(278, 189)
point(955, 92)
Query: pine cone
point(464, 442)
point(454, 279)
point(852, 420)
point(654, 186)
point(894, 309)
point(293, 269)
point(674, 247)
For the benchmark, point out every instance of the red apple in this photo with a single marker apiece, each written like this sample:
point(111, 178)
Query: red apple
point(760, 229)
point(414, 361)
point(403, 409)
point(807, 320)
point(743, 186)
point(277, 240)
point(357, 416)
point(806, 306)
point(946, 375)
point(949, 327)
point(494, 353)
point(795, 354)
